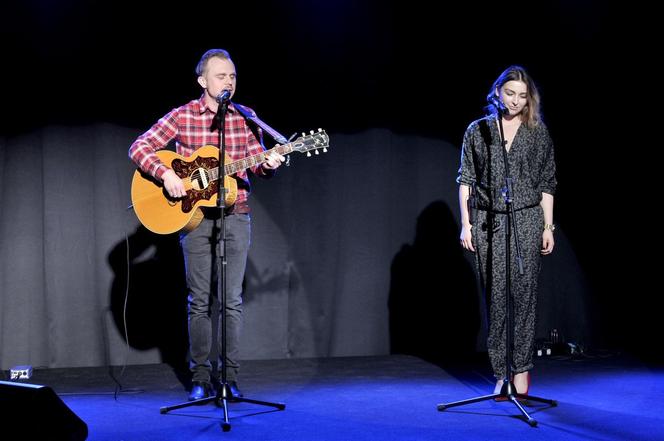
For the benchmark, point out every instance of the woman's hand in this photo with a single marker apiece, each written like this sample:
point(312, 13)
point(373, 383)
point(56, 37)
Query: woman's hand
point(467, 238)
point(547, 242)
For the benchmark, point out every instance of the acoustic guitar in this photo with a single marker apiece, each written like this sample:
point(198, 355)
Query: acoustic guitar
point(162, 214)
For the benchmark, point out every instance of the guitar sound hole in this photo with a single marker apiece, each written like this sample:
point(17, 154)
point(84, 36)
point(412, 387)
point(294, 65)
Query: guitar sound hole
point(200, 179)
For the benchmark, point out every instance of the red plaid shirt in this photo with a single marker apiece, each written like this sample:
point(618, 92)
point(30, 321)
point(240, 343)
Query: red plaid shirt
point(189, 126)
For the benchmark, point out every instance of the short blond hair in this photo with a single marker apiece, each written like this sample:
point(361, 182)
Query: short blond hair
point(212, 53)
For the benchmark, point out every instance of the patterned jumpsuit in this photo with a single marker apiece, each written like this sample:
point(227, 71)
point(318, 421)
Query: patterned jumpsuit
point(531, 164)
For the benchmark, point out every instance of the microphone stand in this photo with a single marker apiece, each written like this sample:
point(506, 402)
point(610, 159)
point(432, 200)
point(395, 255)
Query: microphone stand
point(508, 391)
point(224, 394)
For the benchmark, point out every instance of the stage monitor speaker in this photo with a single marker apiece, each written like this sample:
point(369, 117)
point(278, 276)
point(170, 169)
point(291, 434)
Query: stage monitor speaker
point(31, 411)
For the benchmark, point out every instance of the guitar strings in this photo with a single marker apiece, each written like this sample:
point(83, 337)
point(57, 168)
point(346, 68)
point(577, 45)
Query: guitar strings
point(187, 180)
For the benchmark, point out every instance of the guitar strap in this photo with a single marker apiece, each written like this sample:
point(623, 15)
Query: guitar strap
point(250, 115)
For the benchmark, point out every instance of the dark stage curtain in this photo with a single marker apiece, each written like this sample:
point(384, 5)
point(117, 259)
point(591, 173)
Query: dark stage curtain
point(354, 252)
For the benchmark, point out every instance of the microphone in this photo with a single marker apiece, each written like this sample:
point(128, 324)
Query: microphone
point(224, 96)
point(495, 102)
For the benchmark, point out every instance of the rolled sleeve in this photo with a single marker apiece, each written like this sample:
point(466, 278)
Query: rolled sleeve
point(548, 181)
point(466, 173)
point(255, 147)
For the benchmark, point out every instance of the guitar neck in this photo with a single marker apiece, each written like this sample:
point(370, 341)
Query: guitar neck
point(251, 161)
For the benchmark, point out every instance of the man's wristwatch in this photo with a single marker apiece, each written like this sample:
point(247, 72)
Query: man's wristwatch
point(550, 227)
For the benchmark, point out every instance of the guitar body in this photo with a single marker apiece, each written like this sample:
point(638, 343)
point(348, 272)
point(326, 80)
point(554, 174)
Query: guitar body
point(162, 214)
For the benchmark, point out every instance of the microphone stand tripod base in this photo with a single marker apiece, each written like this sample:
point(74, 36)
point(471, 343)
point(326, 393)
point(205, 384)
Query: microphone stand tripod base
point(507, 393)
point(221, 399)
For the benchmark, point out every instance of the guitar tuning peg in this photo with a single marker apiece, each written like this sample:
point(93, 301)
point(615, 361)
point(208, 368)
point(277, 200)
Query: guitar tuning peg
point(304, 134)
point(311, 132)
point(308, 154)
point(320, 130)
point(316, 151)
point(324, 149)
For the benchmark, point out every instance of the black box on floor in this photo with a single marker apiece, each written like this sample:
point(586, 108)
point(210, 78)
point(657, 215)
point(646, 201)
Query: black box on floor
point(32, 411)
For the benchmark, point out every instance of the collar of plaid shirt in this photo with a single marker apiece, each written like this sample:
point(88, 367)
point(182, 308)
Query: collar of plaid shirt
point(203, 107)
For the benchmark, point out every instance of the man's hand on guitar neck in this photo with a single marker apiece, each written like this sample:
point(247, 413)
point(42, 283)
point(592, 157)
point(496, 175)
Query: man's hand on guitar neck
point(273, 160)
point(173, 184)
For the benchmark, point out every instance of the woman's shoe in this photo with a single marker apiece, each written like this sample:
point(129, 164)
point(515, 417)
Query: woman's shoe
point(524, 392)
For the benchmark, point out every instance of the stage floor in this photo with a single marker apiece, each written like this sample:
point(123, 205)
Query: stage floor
point(370, 398)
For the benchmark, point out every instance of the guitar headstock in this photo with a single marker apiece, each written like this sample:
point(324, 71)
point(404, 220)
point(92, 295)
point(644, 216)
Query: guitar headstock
point(313, 141)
